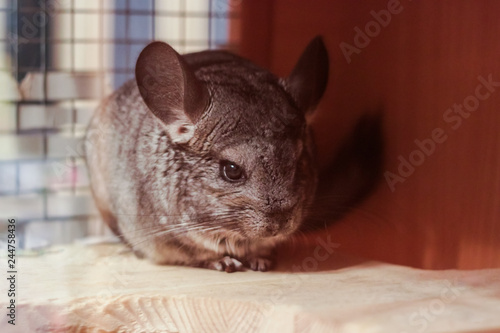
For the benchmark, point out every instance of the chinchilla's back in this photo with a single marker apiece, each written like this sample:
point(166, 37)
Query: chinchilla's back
point(111, 142)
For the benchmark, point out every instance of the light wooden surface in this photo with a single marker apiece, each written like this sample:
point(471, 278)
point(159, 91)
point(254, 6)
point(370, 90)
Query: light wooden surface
point(103, 288)
point(429, 56)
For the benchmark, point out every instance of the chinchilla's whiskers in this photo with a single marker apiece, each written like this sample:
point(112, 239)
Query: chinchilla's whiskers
point(167, 215)
point(216, 219)
point(164, 231)
point(227, 219)
point(158, 228)
point(235, 213)
point(154, 229)
point(224, 194)
point(208, 224)
point(158, 217)
point(197, 229)
point(210, 235)
point(181, 231)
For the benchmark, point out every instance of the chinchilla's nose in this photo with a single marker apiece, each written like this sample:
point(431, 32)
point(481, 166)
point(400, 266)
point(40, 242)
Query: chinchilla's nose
point(280, 218)
point(277, 222)
point(275, 205)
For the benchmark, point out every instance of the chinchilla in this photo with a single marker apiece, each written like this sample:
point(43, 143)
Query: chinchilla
point(206, 159)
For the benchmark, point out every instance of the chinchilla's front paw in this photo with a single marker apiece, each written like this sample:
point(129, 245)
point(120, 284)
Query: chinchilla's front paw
point(226, 264)
point(262, 264)
point(230, 265)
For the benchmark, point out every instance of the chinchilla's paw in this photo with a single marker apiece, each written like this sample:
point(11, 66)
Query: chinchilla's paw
point(261, 264)
point(226, 264)
point(230, 265)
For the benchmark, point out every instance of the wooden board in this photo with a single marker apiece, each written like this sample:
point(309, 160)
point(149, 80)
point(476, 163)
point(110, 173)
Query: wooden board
point(104, 288)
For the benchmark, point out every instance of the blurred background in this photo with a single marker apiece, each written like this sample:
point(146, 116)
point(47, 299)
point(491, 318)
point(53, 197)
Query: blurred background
point(422, 61)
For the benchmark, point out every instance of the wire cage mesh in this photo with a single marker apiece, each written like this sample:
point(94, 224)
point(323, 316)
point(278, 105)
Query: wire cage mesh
point(58, 59)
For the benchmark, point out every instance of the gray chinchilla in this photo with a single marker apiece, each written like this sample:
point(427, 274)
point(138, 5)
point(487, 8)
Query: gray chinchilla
point(206, 159)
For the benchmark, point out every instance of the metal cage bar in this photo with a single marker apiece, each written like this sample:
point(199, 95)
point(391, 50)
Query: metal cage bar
point(42, 174)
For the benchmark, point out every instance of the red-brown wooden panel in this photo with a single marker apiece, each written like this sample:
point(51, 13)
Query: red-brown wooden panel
point(430, 57)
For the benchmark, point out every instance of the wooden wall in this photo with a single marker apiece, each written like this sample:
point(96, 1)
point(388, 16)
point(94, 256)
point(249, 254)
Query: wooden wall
point(423, 62)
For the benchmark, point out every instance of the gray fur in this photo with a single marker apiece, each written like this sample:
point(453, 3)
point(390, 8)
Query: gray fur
point(161, 190)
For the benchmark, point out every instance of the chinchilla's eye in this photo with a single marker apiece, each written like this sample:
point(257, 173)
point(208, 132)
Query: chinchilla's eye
point(231, 171)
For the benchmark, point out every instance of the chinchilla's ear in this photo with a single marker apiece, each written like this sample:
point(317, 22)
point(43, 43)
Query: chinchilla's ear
point(170, 90)
point(308, 80)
